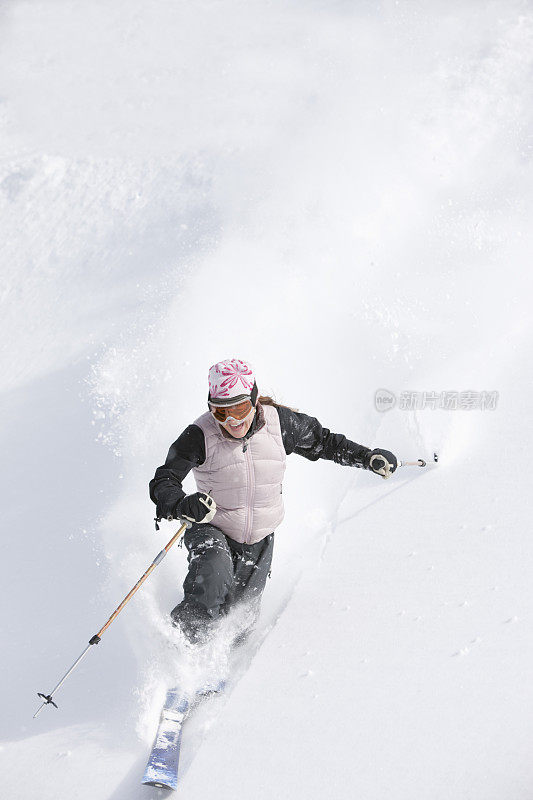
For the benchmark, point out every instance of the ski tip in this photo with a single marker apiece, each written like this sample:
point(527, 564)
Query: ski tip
point(158, 785)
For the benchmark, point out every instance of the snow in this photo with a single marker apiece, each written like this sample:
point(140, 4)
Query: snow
point(340, 193)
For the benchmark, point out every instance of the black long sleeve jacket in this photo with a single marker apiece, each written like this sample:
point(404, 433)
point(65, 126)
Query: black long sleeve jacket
point(300, 434)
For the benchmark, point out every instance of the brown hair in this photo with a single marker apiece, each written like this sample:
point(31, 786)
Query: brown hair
point(265, 400)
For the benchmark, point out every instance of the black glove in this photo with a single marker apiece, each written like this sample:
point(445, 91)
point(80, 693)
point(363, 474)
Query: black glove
point(382, 462)
point(197, 507)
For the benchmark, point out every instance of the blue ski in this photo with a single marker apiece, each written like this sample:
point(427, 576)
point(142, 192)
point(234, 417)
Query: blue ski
point(162, 767)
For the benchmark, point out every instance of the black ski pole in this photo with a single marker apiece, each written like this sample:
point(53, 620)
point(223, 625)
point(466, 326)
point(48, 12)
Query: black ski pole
point(48, 698)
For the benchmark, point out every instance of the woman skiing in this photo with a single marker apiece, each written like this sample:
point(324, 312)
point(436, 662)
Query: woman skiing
point(237, 451)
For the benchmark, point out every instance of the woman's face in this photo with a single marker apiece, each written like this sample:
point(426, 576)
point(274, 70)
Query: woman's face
point(237, 428)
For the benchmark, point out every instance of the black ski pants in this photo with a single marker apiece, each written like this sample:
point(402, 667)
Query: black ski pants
point(222, 573)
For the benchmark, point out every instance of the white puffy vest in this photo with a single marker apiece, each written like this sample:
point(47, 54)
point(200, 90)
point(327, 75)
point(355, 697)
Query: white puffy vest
point(246, 486)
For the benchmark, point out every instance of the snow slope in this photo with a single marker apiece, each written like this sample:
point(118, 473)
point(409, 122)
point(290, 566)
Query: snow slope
point(340, 193)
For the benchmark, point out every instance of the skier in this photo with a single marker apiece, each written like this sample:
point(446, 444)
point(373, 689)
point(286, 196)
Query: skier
point(237, 452)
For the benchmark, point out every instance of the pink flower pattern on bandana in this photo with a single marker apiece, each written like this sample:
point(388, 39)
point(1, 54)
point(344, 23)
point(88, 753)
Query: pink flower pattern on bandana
point(230, 378)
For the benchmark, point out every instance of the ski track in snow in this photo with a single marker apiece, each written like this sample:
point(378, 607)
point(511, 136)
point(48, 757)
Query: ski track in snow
point(342, 195)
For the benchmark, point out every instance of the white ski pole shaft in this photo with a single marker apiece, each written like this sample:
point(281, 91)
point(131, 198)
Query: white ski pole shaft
point(418, 463)
point(47, 698)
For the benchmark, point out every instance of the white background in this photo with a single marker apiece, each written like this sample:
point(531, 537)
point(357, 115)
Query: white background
point(340, 193)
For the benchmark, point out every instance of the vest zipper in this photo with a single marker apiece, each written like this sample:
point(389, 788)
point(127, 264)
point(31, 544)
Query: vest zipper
point(250, 491)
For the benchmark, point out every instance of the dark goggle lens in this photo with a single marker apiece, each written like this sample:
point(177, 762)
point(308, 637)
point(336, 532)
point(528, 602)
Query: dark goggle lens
point(238, 411)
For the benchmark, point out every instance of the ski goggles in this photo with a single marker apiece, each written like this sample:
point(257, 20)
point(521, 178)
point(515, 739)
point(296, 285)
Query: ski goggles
point(237, 412)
